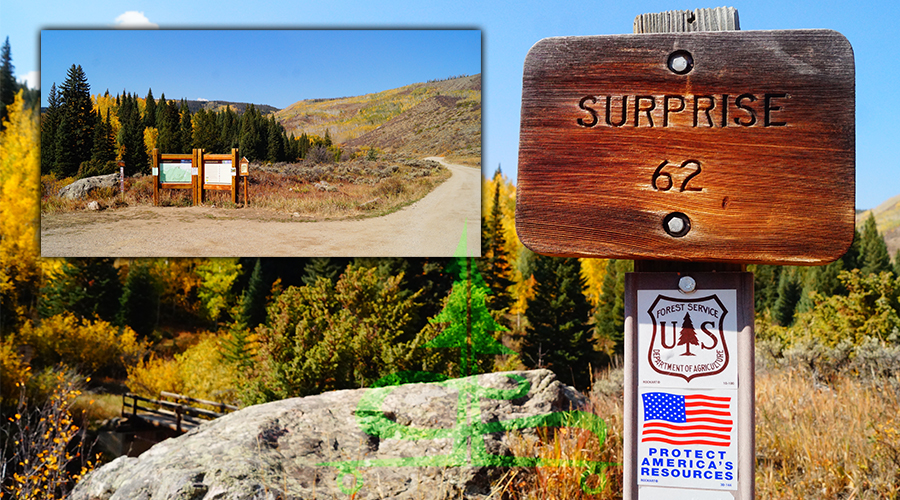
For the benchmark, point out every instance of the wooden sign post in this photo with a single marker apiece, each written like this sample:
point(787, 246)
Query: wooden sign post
point(171, 171)
point(693, 151)
point(198, 172)
point(219, 172)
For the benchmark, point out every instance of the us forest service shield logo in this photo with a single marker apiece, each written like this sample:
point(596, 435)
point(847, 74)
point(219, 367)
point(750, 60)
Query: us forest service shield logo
point(688, 338)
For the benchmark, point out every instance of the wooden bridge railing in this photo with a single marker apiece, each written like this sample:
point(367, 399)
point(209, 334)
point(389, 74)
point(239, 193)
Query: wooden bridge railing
point(173, 414)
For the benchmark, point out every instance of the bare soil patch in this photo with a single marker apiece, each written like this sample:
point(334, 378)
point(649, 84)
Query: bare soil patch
point(431, 226)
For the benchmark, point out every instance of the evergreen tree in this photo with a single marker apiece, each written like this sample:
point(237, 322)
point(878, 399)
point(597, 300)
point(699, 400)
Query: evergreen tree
point(103, 153)
point(8, 84)
point(304, 145)
point(253, 302)
point(168, 122)
point(149, 110)
point(323, 267)
point(275, 146)
point(75, 135)
point(558, 336)
point(469, 324)
point(765, 286)
point(494, 263)
point(131, 137)
point(252, 141)
point(609, 317)
point(186, 129)
point(140, 300)
point(897, 263)
point(87, 287)
point(230, 129)
point(205, 132)
point(49, 125)
point(875, 258)
point(789, 295)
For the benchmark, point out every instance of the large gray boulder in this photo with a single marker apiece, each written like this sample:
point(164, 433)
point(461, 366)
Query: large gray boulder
point(403, 442)
point(80, 188)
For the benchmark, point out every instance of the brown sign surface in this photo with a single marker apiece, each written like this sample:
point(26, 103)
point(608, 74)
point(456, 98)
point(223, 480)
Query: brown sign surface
point(711, 146)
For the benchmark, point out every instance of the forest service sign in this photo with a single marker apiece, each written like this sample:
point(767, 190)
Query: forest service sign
point(687, 340)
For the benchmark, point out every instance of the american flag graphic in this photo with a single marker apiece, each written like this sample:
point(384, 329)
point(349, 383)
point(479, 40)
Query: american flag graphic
point(682, 420)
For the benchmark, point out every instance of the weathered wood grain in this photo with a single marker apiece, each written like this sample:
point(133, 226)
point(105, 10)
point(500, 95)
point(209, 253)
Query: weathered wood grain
point(672, 21)
point(755, 144)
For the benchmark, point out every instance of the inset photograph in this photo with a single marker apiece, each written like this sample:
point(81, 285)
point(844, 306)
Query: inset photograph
point(209, 143)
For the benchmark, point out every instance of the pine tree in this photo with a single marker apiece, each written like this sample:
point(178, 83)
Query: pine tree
point(75, 135)
point(558, 336)
point(140, 301)
point(897, 263)
point(8, 86)
point(252, 143)
point(185, 128)
point(688, 336)
point(609, 316)
point(469, 323)
point(789, 295)
point(275, 146)
point(494, 264)
point(149, 110)
point(765, 286)
point(304, 145)
point(49, 125)
point(323, 267)
point(875, 258)
point(87, 287)
point(168, 122)
point(253, 302)
point(131, 137)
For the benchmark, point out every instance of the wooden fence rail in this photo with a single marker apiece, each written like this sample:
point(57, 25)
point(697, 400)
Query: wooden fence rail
point(172, 414)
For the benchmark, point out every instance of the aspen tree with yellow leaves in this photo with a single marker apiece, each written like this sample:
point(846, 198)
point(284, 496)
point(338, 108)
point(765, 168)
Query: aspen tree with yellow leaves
point(19, 251)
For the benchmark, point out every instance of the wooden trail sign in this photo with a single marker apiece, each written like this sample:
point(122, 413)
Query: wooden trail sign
point(199, 172)
point(705, 146)
point(694, 152)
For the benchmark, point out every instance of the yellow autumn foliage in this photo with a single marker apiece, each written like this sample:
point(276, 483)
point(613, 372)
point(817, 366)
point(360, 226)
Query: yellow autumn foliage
point(198, 372)
point(96, 347)
point(19, 191)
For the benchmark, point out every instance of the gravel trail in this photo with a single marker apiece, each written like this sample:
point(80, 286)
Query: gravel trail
point(431, 227)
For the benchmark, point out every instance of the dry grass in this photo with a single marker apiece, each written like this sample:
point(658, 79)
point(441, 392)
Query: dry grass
point(564, 483)
point(315, 192)
point(840, 440)
point(354, 189)
point(813, 441)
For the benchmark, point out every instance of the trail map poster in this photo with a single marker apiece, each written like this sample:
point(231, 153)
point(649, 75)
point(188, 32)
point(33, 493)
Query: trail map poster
point(175, 171)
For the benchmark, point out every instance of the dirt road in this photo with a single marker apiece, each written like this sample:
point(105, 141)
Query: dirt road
point(431, 227)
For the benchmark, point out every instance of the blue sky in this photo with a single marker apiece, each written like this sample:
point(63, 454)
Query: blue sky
point(275, 67)
point(508, 30)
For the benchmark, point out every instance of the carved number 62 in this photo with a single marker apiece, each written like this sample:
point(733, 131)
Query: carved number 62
point(663, 181)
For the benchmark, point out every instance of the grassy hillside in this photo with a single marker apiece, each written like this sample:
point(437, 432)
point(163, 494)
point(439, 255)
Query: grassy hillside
point(423, 118)
point(887, 217)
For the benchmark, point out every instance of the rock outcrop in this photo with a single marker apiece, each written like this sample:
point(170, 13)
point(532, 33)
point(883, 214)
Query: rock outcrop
point(80, 188)
point(437, 440)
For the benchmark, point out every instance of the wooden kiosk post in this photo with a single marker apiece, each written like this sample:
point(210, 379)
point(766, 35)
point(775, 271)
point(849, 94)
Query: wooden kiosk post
point(172, 171)
point(218, 172)
point(693, 151)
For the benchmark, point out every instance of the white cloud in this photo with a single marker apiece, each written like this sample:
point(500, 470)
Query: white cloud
point(202, 99)
point(32, 79)
point(134, 19)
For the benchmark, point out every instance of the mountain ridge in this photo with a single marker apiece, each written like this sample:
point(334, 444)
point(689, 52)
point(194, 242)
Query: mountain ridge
point(431, 118)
